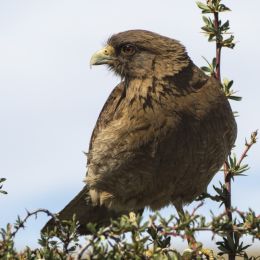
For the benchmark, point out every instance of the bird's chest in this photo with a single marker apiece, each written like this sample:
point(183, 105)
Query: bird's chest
point(147, 99)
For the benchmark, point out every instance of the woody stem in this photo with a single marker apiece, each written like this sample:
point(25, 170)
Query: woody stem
point(227, 173)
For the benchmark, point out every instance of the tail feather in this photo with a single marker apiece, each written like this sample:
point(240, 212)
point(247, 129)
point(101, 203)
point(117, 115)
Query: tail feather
point(85, 212)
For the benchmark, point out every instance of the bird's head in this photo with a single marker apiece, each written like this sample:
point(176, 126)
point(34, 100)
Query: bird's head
point(142, 54)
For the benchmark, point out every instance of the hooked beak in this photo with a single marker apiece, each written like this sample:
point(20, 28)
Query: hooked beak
point(103, 56)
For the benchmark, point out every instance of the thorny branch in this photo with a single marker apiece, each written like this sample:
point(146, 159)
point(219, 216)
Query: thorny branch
point(20, 223)
point(218, 47)
point(247, 147)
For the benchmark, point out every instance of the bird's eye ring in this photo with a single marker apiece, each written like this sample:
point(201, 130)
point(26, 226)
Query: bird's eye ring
point(128, 49)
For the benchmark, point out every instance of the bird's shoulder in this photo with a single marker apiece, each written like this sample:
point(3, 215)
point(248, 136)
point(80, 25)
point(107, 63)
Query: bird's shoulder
point(107, 113)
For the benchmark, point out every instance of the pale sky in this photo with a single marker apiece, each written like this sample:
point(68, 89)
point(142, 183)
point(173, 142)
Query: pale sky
point(50, 99)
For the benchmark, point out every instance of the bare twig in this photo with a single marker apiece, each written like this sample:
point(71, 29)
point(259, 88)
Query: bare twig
point(22, 222)
point(218, 47)
point(196, 208)
point(247, 147)
point(83, 250)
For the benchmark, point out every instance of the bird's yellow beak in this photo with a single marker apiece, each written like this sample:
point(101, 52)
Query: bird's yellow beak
point(103, 56)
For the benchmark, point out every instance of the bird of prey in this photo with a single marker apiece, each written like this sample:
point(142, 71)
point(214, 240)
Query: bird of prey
point(163, 133)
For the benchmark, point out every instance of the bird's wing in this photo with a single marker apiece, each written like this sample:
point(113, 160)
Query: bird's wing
point(121, 131)
point(125, 150)
point(107, 113)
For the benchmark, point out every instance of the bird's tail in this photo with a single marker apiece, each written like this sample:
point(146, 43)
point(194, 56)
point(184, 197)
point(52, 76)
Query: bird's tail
point(85, 212)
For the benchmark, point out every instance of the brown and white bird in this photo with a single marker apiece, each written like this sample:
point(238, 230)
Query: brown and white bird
point(163, 133)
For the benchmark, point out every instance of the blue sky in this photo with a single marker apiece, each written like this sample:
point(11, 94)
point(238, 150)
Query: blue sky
point(50, 99)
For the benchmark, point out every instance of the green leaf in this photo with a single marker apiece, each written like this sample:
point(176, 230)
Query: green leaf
point(203, 7)
point(91, 227)
point(206, 69)
point(214, 62)
point(205, 19)
point(223, 8)
point(235, 98)
point(225, 26)
point(2, 179)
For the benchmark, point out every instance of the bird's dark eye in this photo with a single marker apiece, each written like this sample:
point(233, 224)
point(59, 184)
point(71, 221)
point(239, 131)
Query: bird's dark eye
point(128, 49)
